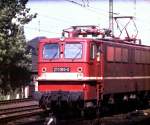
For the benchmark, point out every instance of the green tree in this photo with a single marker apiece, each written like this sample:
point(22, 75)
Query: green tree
point(14, 61)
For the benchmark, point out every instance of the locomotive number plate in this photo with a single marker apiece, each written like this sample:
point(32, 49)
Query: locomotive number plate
point(61, 69)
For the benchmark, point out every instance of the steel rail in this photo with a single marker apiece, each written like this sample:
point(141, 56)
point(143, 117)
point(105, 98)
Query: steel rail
point(4, 102)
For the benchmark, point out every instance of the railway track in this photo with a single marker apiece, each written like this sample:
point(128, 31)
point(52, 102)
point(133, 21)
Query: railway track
point(17, 110)
point(15, 101)
point(28, 113)
point(134, 117)
point(138, 117)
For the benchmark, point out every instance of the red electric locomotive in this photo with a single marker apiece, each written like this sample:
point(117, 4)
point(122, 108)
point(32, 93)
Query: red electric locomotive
point(88, 67)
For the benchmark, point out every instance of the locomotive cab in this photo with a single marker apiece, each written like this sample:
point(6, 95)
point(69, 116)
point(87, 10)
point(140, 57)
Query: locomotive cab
point(67, 71)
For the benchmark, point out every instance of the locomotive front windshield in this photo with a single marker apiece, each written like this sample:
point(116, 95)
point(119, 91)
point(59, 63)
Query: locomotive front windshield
point(70, 51)
point(73, 50)
point(51, 51)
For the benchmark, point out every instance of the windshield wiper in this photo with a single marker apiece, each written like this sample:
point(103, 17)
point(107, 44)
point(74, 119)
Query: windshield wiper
point(53, 57)
point(76, 55)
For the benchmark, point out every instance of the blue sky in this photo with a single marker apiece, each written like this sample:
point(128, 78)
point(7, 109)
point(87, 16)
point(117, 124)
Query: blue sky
point(55, 15)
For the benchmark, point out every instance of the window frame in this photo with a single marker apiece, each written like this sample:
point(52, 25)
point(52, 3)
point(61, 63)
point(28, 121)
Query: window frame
point(126, 59)
point(93, 51)
point(76, 53)
point(51, 57)
point(112, 59)
point(118, 56)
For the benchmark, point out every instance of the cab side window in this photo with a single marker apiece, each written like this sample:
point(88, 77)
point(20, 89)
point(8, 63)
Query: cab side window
point(124, 55)
point(93, 51)
point(117, 54)
point(110, 53)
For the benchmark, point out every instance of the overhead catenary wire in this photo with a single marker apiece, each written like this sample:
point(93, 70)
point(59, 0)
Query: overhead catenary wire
point(55, 18)
point(41, 23)
point(87, 7)
point(93, 9)
point(70, 21)
point(90, 8)
point(42, 30)
point(66, 21)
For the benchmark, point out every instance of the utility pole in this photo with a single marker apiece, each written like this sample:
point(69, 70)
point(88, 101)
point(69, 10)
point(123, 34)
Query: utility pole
point(134, 8)
point(39, 30)
point(111, 16)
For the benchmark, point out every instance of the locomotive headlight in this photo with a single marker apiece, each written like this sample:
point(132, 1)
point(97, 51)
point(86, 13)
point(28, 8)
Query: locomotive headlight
point(79, 69)
point(44, 69)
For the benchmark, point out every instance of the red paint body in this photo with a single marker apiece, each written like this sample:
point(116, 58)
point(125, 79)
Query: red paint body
point(110, 67)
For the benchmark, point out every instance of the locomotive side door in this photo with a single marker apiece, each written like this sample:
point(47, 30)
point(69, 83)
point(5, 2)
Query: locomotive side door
point(95, 58)
point(100, 72)
point(96, 69)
